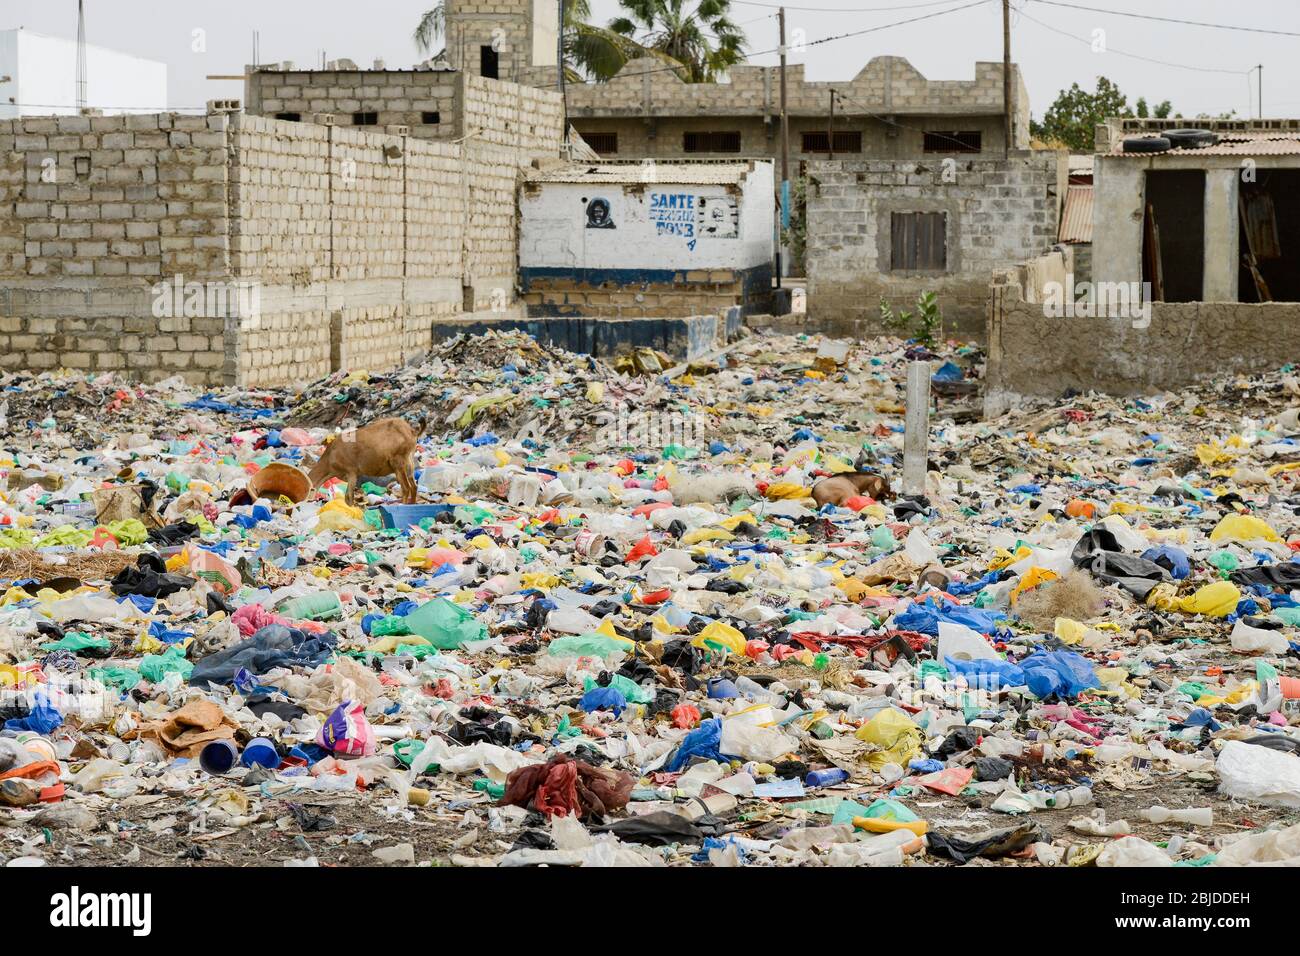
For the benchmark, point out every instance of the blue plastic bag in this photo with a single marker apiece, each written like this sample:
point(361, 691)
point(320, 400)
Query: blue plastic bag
point(43, 719)
point(987, 673)
point(701, 742)
point(924, 618)
point(1174, 560)
point(1063, 673)
point(603, 698)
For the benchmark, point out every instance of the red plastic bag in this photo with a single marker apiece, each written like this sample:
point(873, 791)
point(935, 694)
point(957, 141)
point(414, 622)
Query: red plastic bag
point(642, 549)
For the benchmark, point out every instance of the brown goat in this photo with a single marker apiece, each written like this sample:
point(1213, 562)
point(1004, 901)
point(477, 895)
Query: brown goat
point(840, 488)
point(384, 447)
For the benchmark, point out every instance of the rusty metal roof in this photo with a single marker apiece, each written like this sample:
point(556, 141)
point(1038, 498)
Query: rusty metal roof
point(657, 172)
point(1076, 217)
point(1232, 144)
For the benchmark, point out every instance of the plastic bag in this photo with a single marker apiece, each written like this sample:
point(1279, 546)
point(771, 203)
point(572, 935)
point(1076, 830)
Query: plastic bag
point(346, 731)
point(897, 736)
point(1250, 772)
point(1243, 528)
point(1258, 640)
point(744, 735)
point(445, 625)
point(1133, 851)
point(719, 635)
point(1059, 673)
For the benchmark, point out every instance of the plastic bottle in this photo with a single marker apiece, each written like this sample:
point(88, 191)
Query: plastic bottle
point(826, 778)
point(321, 606)
point(1059, 799)
point(1196, 816)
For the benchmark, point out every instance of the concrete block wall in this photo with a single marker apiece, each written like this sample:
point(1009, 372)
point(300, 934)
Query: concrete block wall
point(685, 293)
point(398, 97)
point(998, 212)
point(355, 241)
point(94, 210)
point(1032, 354)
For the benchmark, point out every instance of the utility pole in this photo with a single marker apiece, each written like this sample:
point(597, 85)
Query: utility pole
point(830, 130)
point(81, 55)
point(1010, 123)
point(559, 69)
point(1260, 67)
point(785, 152)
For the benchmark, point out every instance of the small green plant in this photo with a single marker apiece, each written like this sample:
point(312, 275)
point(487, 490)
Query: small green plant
point(931, 318)
point(927, 331)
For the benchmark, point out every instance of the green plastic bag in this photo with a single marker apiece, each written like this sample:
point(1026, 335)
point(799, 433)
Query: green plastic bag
point(587, 645)
point(1288, 615)
point(445, 625)
point(119, 678)
point(76, 642)
point(155, 667)
point(631, 690)
point(392, 624)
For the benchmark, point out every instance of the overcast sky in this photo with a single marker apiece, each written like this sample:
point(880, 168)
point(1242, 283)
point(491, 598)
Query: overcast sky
point(941, 48)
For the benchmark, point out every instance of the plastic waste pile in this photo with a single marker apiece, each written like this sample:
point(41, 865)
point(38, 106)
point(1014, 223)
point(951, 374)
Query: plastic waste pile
point(618, 630)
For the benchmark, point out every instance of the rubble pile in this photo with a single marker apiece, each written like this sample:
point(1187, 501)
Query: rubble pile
point(619, 627)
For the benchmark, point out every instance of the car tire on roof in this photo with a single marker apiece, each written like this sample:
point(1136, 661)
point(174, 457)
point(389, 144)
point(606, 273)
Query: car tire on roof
point(1146, 144)
point(1190, 138)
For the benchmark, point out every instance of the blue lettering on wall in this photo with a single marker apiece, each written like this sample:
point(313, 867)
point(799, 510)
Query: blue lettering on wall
point(673, 214)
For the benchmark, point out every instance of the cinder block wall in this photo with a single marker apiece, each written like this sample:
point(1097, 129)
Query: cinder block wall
point(397, 97)
point(690, 292)
point(93, 212)
point(354, 240)
point(999, 212)
point(1033, 354)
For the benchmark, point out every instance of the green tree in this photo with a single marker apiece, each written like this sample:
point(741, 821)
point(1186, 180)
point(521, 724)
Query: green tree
point(590, 51)
point(1071, 121)
point(697, 34)
point(1161, 110)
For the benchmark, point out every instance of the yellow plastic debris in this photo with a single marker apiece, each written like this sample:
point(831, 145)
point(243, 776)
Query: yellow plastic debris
point(1243, 528)
point(895, 733)
point(720, 634)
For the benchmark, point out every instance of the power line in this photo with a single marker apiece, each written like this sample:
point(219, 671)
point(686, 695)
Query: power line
point(909, 6)
point(1135, 56)
point(1189, 23)
point(840, 36)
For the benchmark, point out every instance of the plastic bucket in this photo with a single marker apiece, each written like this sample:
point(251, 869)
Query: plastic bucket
point(278, 479)
point(260, 752)
point(218, 757)
point(38, 745)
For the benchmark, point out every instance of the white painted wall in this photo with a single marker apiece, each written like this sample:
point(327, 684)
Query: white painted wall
point(43, 78)
point(655, 226)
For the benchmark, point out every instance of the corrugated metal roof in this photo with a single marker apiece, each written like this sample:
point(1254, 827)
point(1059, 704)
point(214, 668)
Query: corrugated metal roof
point(695, 174)
point(1076, 217)
point(1234, 144)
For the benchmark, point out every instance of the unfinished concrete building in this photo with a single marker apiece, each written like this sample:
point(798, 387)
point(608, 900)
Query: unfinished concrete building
point(892, 230)
point(1196, 271)
point(1219, 223)
point(889, 110)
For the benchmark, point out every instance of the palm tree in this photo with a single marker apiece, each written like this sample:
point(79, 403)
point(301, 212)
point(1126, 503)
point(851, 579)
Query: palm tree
point(590, 51)
point(704, 41)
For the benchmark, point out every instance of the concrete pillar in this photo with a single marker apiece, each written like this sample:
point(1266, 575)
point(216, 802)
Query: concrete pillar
point(916, 421)
point(1222, 235)
point(1119, 196)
